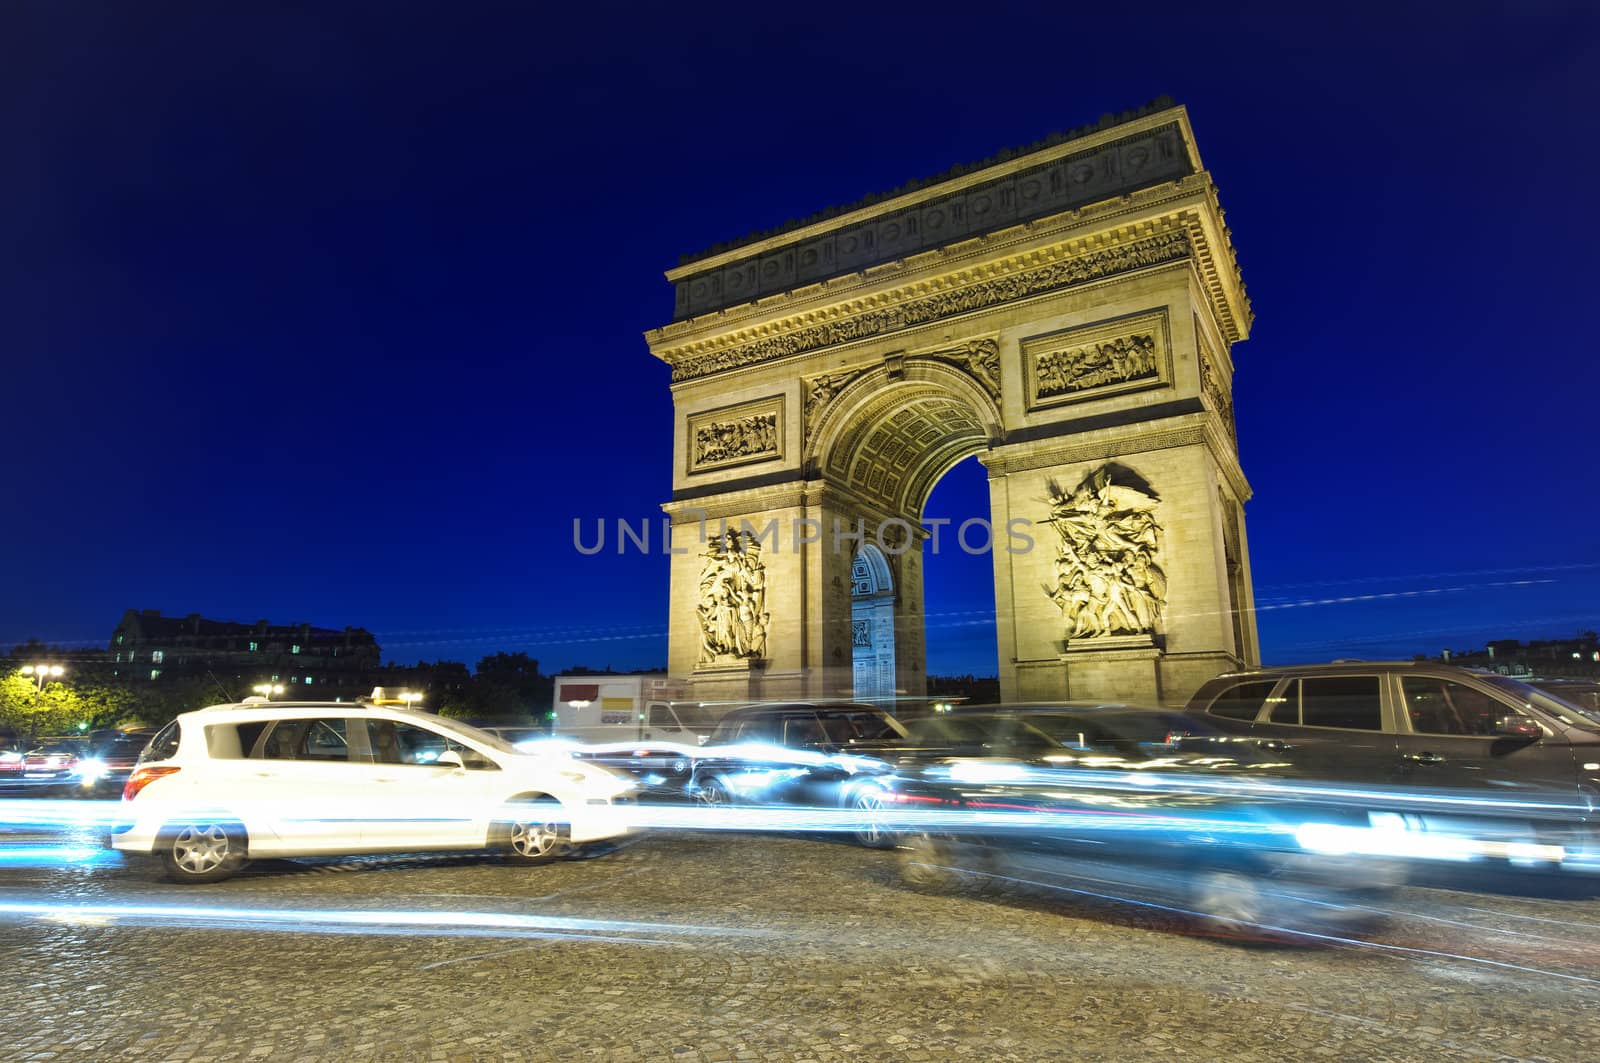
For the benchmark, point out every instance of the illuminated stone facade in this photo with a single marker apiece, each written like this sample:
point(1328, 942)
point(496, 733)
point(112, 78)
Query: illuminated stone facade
point(1067, 313)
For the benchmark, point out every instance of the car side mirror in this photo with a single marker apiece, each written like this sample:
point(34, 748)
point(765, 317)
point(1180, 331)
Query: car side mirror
point(448, 759)
point(1518, 727)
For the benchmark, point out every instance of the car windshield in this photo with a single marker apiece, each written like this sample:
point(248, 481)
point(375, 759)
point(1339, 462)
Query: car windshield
point(864, 726)
point(1560, 708)
point(129, 745)
point(1000, 734)
point(472, 734)
point(695, 717)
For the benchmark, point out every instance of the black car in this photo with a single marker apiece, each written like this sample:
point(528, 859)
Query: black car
point(108, 760)
point(810, 754)
point(1130, 804)
point(1450, 744)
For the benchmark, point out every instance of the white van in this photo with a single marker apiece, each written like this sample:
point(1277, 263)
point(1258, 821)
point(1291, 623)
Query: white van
point(596, 709)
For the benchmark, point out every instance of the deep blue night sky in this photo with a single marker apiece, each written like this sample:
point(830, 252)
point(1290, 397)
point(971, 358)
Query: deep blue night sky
point(333, 312)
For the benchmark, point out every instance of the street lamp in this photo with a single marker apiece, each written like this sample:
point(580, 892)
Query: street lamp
point(41, 672)
point(410, 699)
point(266, 690)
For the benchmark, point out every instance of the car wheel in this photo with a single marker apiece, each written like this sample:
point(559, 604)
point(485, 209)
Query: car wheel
point(932, 861)
point(534, 832)
point(203, 850)
point(714, 793)
point(1228, 901)
point(868, 804)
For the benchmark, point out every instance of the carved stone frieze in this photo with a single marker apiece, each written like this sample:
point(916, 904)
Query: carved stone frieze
point(820, 391)
point(733, 599)
point(980, 359)
point(1107, 579)
point(1161, 248)
point(735, 435)
point(1094, 361)
point(1095, 365)
point(1216, 393)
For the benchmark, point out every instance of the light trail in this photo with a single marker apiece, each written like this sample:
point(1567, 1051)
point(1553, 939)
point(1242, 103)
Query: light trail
point(360, 921)
point(1273, 928)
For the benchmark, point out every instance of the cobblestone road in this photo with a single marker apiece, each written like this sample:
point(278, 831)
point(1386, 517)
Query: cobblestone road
point(751, 948)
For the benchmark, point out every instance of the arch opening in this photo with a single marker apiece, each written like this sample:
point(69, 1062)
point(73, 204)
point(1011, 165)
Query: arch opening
point(872, 626)
point(886, 445)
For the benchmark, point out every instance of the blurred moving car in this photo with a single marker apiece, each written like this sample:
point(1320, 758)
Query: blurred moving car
point(809, 754)
point(108, 759)
point(660, 769)
point(45, 768)
point(224, 784)
point(1451, 746)
point(1128, 804)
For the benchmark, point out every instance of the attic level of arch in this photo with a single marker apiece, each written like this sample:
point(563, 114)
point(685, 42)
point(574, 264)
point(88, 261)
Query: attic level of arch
point(1139, 159)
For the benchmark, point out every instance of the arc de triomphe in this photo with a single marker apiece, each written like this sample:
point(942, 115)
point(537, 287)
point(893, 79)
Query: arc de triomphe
point(1067, 312)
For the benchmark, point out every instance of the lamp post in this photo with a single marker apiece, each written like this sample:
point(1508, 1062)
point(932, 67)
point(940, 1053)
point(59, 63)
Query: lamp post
point(266, 690)
point(41, 672)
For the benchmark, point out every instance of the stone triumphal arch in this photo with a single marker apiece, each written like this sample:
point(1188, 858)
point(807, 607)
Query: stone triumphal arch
point(1067, 313)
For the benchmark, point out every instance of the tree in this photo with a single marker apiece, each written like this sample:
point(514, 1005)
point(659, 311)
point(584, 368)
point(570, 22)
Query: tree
point(506, 686)
point(60, 708)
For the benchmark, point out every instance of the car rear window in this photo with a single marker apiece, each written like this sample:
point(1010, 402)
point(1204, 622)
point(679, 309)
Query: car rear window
point(164, 746)
point(1242, 701)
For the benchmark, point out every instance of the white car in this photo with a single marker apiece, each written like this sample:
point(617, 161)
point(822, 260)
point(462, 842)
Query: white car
point(224, 784)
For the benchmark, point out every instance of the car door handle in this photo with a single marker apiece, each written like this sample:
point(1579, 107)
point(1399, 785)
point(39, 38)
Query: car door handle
point(1424, 758)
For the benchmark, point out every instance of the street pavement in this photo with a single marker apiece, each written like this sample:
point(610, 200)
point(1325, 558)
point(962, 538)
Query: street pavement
point(696, 947)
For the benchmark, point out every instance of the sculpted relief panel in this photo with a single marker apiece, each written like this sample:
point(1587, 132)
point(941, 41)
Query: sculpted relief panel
point(1107, 579)
point(1215, 389)
point(733, 599)
point(1092, 362)
point(736, 435)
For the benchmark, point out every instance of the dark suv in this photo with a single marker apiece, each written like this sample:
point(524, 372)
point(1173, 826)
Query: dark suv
point(1511, 751)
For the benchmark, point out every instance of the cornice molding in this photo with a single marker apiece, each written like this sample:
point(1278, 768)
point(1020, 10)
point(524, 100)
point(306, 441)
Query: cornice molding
point(1186, 199)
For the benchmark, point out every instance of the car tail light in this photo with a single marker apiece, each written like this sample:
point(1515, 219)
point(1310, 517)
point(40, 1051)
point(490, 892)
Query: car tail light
point(143, 777)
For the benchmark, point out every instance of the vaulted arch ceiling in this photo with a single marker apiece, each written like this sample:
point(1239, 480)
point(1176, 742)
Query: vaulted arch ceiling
point(897, 445)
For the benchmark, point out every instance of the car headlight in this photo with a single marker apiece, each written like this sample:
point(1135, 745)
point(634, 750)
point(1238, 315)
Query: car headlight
point(91, 770)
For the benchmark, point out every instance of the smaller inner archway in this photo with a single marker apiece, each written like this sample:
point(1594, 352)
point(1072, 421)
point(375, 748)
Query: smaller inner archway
point(872, 624)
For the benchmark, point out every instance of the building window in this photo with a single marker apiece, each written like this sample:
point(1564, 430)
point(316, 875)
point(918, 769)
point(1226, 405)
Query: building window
point(119, 656)
point(254, 646)
point(294, 648)
point(274, 677)
point(156, 656)
point(308, 680)
point(119, 640)
point(155, 673)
